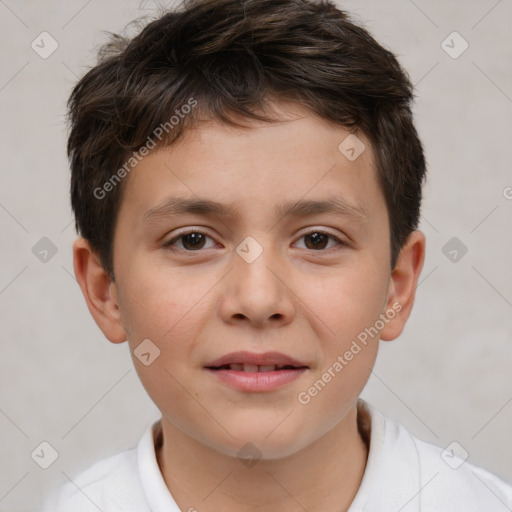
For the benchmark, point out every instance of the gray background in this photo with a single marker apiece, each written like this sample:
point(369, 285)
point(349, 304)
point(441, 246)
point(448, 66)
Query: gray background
point(449, 375)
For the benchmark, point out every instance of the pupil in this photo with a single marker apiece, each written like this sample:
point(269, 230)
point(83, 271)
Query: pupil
point(195, 240)
point(316, 238)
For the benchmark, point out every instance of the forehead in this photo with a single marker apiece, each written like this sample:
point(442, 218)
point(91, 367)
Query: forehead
point(267, 166)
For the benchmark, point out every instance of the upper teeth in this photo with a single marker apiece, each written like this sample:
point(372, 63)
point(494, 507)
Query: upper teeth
point(252, 367)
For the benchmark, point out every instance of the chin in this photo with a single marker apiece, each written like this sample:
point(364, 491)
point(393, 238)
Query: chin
point(263, 442)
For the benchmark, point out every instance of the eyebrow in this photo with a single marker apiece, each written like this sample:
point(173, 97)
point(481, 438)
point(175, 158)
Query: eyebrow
point(301, 208)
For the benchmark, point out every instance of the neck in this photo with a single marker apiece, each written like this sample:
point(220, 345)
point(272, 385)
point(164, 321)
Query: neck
point(324, 476)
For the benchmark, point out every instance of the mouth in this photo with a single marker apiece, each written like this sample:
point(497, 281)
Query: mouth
point(251, 362)
point(252, 372)
point(253, 368)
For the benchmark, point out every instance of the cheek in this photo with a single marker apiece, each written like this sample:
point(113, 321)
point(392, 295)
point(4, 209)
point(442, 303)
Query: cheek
point(346, 302)
point(167, 311)
point(346, 307)
point(349, 311)
point(163, 303)
point(168, 306)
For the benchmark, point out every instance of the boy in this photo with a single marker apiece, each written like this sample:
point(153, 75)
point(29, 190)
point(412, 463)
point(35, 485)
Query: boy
point(246, 178)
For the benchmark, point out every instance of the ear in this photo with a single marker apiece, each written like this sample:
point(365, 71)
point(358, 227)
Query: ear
point(99, 291)
point(402, 284)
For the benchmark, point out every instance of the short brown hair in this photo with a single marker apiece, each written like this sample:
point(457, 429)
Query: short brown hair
point(231, 56)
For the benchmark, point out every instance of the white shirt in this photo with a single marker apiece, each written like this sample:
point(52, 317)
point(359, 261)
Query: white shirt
point(403, 474)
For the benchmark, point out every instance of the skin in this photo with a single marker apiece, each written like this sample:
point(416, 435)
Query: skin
point(307, 302)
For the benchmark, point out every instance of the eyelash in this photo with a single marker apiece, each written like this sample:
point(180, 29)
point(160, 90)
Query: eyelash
point(181, 235)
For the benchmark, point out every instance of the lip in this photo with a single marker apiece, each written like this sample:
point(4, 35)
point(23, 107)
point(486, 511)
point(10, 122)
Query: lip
point(256, 381)
point(261, 359)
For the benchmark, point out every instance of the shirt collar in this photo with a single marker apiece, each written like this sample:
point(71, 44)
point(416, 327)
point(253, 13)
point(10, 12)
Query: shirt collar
point(391, 480)
point(157, 494)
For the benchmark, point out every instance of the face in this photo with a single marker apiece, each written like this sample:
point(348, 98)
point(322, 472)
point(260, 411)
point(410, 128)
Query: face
point(203, 282)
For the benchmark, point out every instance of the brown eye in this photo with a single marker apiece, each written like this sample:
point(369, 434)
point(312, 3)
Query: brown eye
point(317, 240)
point(191, 241)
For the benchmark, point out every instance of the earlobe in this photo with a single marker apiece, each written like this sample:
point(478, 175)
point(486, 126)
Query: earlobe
point(99, 291)
point(402, 285)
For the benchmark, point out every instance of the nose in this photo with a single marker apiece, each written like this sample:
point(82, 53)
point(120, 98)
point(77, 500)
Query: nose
point(257, 292)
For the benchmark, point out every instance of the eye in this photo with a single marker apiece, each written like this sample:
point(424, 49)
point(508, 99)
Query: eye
point(194, 241)
point(191, 241)
point(318, 240)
